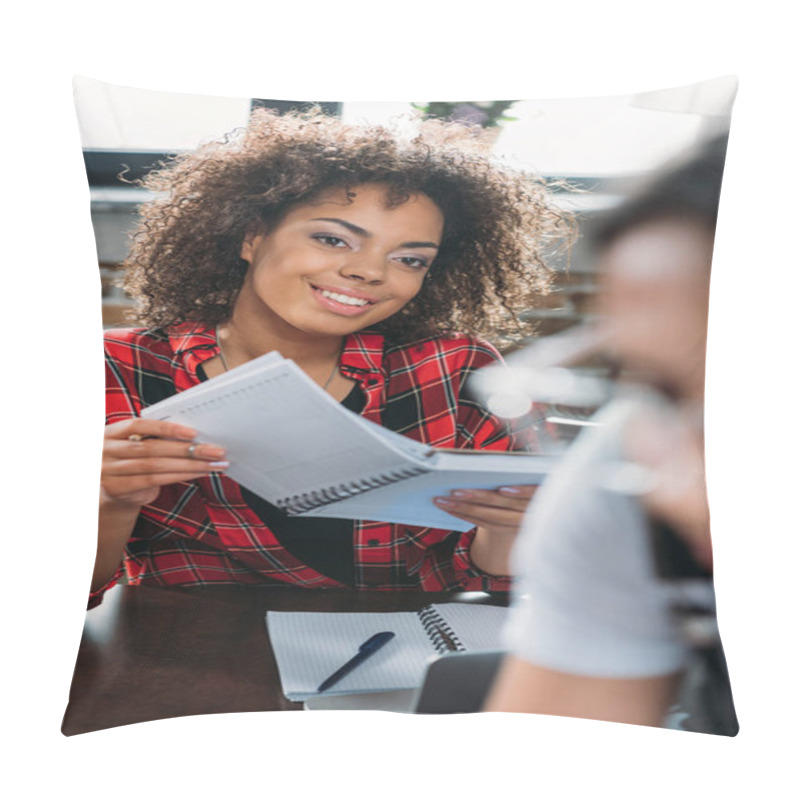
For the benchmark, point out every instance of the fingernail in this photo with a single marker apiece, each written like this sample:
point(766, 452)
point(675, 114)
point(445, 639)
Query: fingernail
point(220, 464)
point(441, 501)
point(509, 490)
point(461, 493)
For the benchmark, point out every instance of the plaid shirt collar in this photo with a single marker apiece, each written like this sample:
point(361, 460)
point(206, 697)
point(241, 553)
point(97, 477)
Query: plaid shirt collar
point(195, 342)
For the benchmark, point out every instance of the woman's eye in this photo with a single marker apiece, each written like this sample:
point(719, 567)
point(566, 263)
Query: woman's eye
point(414, 262)
point(329, 240)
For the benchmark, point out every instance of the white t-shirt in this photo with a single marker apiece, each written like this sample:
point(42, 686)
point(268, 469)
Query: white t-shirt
point(587, 600)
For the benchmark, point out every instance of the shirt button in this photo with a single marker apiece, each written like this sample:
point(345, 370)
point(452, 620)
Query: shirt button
point(372, 381)
point(374, 542)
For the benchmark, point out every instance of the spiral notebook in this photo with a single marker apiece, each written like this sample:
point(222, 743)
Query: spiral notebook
point(291, 443)
point(310, 646)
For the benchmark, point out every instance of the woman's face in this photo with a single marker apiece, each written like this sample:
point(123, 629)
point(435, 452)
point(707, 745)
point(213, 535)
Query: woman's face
point(655, 302)
point(340, 264)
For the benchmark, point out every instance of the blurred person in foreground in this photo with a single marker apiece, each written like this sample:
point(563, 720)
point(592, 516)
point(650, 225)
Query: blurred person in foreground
point(614, 614)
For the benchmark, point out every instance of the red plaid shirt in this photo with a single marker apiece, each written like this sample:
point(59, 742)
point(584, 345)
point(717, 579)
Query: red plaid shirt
point(202, 532)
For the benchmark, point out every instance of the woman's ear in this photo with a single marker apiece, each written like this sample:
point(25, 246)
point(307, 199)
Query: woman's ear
point(249, 245)
point(257, 230)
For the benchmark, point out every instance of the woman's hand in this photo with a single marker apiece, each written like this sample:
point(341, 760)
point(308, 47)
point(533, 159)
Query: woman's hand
point(668, 441)
point(497, 514)
point(141, 455)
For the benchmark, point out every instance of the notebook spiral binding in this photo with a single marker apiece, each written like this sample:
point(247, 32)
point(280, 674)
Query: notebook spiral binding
point(444, 638)
point(307, 501)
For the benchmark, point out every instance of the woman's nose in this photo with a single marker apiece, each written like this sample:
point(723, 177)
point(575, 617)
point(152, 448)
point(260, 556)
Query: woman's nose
point(364, 267)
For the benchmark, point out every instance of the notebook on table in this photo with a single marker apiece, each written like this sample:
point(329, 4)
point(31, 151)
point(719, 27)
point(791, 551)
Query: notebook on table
point(310, 646)
point(291, 443)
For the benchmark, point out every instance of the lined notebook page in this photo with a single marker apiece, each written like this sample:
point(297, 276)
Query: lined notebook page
point(478, 627)
point(310, 646)
point(280, 411)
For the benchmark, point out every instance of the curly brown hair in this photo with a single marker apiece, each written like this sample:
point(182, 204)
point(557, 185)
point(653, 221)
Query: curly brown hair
point(501, 226)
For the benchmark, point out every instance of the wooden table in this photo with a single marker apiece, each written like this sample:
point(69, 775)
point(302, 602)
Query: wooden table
point(149, 653)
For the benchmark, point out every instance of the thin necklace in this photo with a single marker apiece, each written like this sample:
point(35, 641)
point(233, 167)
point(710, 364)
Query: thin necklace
point(333, 372)
point(221, 354)
point(225, 363)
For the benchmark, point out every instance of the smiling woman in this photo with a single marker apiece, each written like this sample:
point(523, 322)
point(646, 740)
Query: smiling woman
point(358, 254)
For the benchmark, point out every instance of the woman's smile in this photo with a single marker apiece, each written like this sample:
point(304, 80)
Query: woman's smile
point(343, 301)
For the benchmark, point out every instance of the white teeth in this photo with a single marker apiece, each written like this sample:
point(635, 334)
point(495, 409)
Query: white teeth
point(343, 298)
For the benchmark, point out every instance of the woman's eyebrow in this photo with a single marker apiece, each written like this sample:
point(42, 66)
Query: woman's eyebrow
point(349, 225)
point(420, 244)
point(366, 234)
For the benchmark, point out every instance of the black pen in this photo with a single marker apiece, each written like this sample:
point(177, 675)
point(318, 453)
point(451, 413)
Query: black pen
point(372, 645)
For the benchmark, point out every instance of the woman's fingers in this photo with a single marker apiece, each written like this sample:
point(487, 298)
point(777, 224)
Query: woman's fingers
point(140, 456)
point(150, 441)
point(511, 497)
point(140, 427)
point(162, 448)
point(502, 508)
point(142, 466)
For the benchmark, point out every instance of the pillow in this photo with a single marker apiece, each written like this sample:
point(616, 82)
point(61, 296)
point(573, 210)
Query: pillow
point(180, 628)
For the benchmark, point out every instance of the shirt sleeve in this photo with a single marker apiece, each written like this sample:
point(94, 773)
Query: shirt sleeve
point(96, 597)
point(121, 401)
point(587, 600)
point(121, 404)
point(446, 565)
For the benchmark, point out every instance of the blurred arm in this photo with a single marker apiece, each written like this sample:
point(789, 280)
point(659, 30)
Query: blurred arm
point(525, 687)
